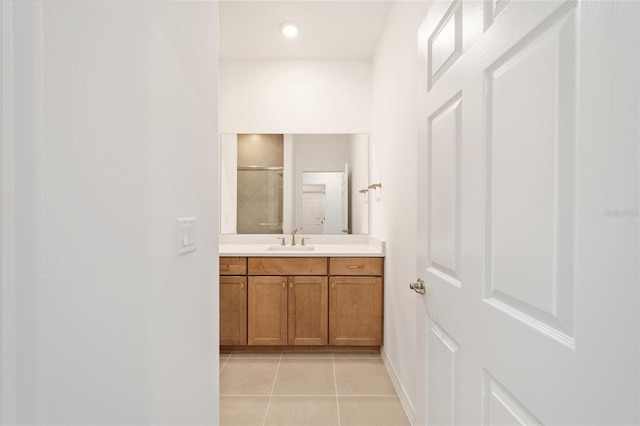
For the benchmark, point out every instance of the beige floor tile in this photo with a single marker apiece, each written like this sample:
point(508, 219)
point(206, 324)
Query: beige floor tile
point(248, 376)
point(303, 410)
point(305, 376)
point(223, 361)
point(371, 411)
point(243, 410)
point(362, 376)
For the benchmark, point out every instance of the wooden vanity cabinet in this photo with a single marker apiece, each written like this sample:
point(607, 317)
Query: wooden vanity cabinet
point(306, 301)
point(355, 301)
point(233, 301)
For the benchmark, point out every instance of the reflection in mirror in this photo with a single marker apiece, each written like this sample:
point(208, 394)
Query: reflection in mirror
point(274, 183)
point(259, 195)
point(323, 202)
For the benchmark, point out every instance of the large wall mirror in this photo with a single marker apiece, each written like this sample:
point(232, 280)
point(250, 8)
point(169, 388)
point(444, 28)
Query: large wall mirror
point(274, 183)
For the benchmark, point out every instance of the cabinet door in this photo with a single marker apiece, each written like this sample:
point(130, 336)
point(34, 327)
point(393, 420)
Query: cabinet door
point(355, 311)
point(233, 310)
point(267, 311)
point(308, 310)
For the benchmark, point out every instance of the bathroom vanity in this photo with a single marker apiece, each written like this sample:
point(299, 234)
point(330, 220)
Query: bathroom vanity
point(323, 293)
point(325, 297)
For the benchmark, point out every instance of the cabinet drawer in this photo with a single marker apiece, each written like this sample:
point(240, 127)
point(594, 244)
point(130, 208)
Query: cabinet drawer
point(233, 266)
point(287, 266)
point(356, 266)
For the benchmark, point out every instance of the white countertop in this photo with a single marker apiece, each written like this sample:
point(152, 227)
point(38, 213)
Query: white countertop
point(318, 245)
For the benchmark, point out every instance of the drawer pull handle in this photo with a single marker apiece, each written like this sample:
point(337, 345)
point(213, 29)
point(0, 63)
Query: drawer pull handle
point(225, 267)
point(355, 267)
point(284, 285)
point(241, 285)
point(290, 285)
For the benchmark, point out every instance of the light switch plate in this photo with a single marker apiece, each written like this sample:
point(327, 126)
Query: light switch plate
point(186, 234)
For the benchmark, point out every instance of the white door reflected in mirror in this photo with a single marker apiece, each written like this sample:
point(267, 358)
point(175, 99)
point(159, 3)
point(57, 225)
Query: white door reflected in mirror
point(313, 209)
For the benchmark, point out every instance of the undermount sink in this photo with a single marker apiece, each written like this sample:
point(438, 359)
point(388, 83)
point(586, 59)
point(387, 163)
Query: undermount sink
point(290, 248)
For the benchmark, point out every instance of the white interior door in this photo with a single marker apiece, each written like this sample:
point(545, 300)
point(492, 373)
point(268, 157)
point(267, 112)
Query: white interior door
point(528, 213)
point(313, 211)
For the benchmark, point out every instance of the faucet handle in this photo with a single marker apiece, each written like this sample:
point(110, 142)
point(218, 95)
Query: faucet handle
point(282, 243)
point(303, 239)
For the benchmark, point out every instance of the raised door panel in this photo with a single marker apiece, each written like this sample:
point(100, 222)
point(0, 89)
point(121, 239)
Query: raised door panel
point(443, 244)
point(355, 311)
point(233, 310)
point(308, 310)
point(442, 380)
point(267, 314)
point(530, 153)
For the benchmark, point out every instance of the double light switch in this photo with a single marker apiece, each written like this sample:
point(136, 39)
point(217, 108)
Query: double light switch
point(186, 227)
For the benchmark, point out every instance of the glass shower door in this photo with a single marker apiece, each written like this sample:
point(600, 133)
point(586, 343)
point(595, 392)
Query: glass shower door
point(260, 200)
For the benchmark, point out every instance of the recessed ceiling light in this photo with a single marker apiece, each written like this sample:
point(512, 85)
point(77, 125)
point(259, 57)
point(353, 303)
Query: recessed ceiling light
point(289, 29)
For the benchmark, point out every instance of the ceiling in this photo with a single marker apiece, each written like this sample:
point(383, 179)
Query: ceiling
point(328, 29)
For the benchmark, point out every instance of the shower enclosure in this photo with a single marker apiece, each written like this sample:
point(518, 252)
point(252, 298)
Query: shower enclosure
point(260, 171)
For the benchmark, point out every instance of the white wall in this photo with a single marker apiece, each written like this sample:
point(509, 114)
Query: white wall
point(295, 96)
point(109, 134)
point(228, 183)
point(327, 153)
point(394, 137)
point(359, 170)
point(288, 185)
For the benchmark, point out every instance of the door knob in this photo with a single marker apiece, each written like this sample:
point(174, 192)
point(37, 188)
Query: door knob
point(418, 286)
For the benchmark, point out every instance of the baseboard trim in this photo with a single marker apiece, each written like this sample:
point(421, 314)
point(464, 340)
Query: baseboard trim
point(402, 392)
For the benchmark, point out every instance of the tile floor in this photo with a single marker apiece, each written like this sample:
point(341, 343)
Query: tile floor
point(307, 390)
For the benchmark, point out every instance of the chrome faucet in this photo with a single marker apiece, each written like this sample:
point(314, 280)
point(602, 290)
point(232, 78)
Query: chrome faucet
point(293, 237)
